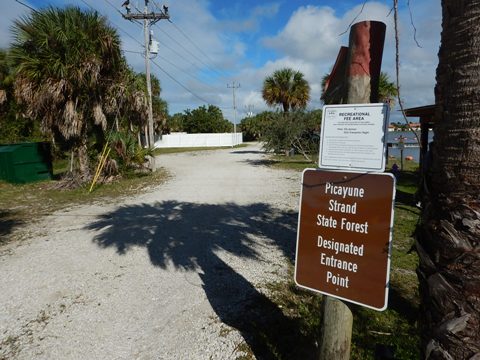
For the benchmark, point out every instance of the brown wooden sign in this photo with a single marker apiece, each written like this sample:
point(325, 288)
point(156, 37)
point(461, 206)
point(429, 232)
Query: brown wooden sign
point(344, 235)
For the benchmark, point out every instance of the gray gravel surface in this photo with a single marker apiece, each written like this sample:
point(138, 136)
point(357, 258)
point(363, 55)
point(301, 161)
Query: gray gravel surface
point(175, 273)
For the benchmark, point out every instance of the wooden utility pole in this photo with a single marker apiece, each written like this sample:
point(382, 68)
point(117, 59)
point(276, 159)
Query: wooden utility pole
point(362, 73)
point(233, 87)
point(149, 18)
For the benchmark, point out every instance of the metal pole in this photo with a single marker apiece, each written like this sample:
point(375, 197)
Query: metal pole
point(234, 111)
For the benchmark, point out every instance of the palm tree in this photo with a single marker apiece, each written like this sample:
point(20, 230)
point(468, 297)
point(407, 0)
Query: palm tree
point(387, 90)
point(68, 74)
point(288, 88)
point(448, 242)
point(4, 73)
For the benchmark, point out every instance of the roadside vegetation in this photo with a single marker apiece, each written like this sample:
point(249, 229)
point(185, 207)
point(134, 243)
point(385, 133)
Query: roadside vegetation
point(65, 81)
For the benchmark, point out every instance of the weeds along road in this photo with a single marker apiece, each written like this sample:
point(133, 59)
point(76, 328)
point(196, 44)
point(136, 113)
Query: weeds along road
point(175, 273)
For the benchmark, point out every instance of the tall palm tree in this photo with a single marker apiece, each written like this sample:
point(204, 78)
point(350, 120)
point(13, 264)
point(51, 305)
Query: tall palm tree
point(288, 88)
point(68, 69)
point(449, 239)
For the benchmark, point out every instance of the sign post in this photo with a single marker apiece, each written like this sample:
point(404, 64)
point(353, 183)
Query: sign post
point(344, 235)
point(360, 72)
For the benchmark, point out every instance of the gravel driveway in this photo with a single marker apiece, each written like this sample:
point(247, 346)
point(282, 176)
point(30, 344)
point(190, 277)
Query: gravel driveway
point(175, 273)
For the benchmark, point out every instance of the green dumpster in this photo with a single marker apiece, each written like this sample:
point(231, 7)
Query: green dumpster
point(25, 162)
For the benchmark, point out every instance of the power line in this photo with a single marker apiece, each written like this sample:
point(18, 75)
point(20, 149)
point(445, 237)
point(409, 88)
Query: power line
point(163, 70)
point(121, 14)
point(175, 66)
point(189, 52)
point(161, 43)
point(211, 68)
point(179, 83)
point(186, 73)
point(27, 6)
point(118, 27)
point(193, 43)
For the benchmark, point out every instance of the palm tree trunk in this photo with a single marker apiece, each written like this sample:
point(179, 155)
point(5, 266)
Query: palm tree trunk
point(83, 160)
point(449, 237)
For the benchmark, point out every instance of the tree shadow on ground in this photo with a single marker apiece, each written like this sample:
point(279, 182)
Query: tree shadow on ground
point(261, 162)
point(405, 198)
point(192, 237)
point(8, 223)
point(401, 304)
point(247, 152)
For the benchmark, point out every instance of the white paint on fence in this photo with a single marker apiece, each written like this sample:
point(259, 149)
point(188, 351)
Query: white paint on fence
point(199, 140)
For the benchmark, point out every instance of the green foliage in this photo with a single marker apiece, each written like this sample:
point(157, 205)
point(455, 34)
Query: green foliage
point(387, 90)
point(205, 120)
point(14, 127)
point(174, 123)
point(253, 127)
point(298, 131)
point(69, 75)
point(288, 88)
point(126, 151)
point(159, 106)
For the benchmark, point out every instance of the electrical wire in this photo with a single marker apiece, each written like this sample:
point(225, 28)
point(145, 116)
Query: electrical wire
point(161, 43)
point(175, 66)
point(27, 6)
point(196, 46)
point(179, 83)
point(113, 6)
point(191, 42)
point(118, 27)
point(169, 48)
point(189, 52)
point(157, 65)
point(186, 73)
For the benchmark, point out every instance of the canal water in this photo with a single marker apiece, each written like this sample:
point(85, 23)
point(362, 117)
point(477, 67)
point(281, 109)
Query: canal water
point(409, 139)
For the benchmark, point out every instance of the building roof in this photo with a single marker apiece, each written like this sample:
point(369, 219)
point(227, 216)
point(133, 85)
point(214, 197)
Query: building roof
point(421, 111)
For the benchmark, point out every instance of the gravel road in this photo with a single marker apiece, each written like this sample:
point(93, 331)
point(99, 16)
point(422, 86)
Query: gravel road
point(175, 273)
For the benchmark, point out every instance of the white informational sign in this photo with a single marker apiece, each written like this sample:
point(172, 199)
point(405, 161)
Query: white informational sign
point(353, 137)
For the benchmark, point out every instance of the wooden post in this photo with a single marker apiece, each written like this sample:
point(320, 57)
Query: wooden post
point(362, 74)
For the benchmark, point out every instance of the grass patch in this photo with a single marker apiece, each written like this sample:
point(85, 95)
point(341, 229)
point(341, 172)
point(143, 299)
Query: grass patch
point(25, 203)
point(395, 327)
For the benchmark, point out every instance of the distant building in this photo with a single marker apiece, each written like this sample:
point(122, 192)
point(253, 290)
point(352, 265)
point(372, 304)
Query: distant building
point(414, 125)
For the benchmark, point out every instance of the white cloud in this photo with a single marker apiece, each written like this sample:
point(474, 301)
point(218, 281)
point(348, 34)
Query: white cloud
point(309, 41)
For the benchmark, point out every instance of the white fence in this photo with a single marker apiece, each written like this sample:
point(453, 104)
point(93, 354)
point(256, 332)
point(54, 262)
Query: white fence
point(199, 140)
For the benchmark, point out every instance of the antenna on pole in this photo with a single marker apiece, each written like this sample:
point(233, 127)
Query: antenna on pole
point(233, 87)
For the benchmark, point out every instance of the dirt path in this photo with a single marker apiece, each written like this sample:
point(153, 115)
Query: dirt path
point(176, 273)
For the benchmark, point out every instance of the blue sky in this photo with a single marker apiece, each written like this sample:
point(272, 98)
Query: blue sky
point(212, 43)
